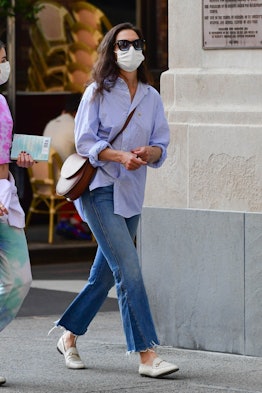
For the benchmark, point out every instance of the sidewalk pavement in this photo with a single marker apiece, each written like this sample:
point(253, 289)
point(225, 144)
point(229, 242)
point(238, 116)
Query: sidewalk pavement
point(30, 362)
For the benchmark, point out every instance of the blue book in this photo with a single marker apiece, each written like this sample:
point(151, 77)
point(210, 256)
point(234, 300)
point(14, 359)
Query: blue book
point(37, 146)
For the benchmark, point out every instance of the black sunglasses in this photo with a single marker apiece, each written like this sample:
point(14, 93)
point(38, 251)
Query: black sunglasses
point(124, 45)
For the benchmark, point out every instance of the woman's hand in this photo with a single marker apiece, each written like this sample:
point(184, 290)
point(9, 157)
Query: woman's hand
point(3, 209)
point(149, 154)
point(131, 161)
point(24, 160)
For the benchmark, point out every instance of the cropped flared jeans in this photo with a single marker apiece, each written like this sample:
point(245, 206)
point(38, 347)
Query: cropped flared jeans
point(116, 263)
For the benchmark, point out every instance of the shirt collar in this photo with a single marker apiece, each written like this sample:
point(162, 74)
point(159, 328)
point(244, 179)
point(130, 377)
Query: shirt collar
point(142, 90)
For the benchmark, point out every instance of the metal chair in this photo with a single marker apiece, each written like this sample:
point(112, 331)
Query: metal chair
point(90, 15)
point(86, 34)
point(78, 77)
point(52, 77)
point(80, 53)
point(43, 177)
point(50, 32)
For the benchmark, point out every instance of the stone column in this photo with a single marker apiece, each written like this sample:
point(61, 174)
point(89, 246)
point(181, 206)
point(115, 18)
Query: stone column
point(213, 100)
point(200, 238)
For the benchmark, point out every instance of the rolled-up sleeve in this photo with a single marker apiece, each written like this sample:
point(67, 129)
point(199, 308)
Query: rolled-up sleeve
point(160, 136)
point(88, 144)
point(94, 152)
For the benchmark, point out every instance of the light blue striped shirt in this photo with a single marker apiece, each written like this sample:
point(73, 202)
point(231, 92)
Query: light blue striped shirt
point(98, 121)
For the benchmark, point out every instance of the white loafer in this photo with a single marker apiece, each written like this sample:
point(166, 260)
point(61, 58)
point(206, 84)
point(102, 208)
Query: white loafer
point(72, 358)
point(2, 380)
point(159, 368)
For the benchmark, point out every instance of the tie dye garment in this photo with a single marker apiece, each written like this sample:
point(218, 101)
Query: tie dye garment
point(15, 272)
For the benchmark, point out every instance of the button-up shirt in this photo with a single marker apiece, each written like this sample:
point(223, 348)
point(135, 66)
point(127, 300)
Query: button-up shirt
point(98, 120)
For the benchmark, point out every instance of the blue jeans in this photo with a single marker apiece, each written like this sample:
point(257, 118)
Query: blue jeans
point(116, 263)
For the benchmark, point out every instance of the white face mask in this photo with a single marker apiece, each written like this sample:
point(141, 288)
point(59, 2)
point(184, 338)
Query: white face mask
point(129, 60)
point(4, 72)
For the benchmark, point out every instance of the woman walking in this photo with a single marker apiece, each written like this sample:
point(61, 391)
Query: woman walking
point(15, 270)
point(112, 205)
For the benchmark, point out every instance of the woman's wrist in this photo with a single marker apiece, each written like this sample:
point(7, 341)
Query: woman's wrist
point(111, 155)
point(4, 171)
point(155, 155)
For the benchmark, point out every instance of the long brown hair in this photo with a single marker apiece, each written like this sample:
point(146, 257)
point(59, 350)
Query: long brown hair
point(2, 45)
point(106, 71)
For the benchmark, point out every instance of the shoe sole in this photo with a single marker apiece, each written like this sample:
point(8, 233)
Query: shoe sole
point(160, 375)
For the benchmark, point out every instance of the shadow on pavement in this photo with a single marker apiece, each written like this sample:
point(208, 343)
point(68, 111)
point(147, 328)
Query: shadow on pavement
point(43, 302)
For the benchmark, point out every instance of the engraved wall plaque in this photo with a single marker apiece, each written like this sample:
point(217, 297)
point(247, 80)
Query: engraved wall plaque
point(232, 24)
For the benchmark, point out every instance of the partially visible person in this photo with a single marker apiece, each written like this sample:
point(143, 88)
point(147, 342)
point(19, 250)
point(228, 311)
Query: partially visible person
point(112, 204)
point(61, 128)
point(61, 131)
point(15, 269)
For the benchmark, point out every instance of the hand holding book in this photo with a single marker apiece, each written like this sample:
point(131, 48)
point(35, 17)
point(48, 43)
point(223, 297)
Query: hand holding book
point(25, 160)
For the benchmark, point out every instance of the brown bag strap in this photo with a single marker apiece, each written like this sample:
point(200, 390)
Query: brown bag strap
point(125, 125)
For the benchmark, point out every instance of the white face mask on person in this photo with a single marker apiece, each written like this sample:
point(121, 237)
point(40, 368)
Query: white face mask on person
point(4, 72)
point(129, 60)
